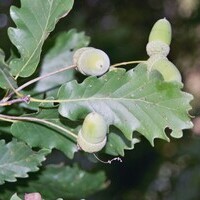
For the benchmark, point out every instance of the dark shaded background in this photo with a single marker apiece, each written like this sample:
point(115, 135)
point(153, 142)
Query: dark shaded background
point(169, 170)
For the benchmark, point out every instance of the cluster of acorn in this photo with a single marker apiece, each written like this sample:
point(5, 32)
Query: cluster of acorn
point(94, 62)
point(158, 48)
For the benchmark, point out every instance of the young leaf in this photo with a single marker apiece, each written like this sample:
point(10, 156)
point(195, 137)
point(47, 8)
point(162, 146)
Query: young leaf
point(66, 182)
point(45, 136)
point(58, 57)
point(6, 79)
point(15, 197)
point(17, 159)
point(35, 19)
point(133, 100)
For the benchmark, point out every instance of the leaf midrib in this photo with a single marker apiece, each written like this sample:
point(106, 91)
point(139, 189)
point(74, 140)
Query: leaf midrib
point(114, 99)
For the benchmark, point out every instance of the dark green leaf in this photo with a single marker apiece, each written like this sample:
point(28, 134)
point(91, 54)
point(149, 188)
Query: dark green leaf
point(65, 182)
point(45, 136)
point(133, 100)
point(6, 79)
point(117, 142)
point(17, 159)
point(35, 19)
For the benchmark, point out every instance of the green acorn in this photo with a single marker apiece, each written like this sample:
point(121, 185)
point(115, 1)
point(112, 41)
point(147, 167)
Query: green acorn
point(91, 61)
point(167, 69)
point(160, 38)
point(161, 31)
point(92, 136)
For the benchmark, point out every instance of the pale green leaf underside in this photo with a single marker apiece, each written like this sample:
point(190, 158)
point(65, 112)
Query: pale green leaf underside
point(131, 101)
point(64, 182)
point(17, 159)
point(43, 136)
point(35, 19)
point(59, 56)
